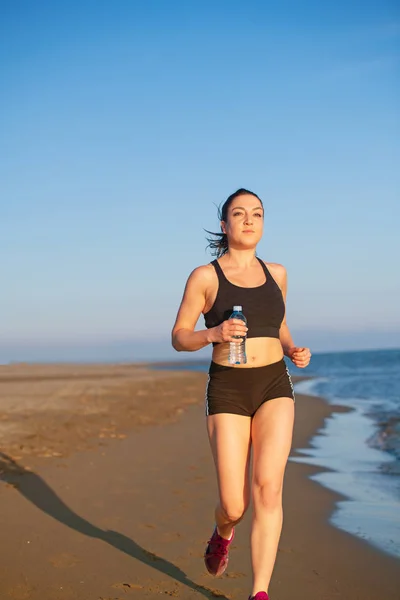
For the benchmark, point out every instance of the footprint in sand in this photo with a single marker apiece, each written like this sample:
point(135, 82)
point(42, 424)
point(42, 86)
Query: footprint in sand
point(127, 587)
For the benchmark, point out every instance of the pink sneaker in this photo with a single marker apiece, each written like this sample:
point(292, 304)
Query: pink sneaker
point(216, 555)
point(260, 596)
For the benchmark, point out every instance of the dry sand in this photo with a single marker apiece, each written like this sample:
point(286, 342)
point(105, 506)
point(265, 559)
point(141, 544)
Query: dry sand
point(107, 491)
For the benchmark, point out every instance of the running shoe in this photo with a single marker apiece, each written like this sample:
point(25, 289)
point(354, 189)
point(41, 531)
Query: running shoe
point(260, 596)
point(216, 555)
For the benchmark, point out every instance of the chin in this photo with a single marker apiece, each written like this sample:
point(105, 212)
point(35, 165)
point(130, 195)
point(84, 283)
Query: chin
point(251, 244)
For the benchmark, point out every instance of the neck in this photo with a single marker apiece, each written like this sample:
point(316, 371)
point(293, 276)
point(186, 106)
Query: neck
point(240, 258)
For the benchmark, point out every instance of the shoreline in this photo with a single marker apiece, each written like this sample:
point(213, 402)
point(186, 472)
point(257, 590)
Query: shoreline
point(124, 510)
point(351, 467)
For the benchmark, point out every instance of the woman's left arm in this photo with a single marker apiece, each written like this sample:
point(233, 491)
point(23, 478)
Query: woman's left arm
point(298, 355)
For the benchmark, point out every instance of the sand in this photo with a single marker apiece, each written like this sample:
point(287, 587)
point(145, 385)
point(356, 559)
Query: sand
point(107, 490)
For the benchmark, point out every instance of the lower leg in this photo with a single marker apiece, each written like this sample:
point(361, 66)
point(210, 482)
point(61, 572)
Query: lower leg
point(265, 534)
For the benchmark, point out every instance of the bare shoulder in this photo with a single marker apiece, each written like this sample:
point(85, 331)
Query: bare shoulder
point(278, 272)
point(202, 275)
point(205, 272)
point(275, 268)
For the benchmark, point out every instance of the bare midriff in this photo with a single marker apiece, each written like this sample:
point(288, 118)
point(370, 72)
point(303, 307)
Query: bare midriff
point(260, 351)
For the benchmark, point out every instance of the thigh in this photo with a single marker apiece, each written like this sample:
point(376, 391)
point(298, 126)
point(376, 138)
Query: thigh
point(271, 433)
point(229, 436)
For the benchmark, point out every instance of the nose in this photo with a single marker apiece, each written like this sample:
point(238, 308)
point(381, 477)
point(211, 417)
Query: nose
point(248, 220)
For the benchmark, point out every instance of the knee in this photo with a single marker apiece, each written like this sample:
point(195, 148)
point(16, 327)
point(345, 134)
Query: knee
point(268, 494)
point(233, 511)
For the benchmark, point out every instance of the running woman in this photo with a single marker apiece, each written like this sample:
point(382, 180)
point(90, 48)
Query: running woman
point(249, 407)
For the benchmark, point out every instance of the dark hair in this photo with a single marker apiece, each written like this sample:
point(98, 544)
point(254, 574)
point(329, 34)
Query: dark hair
point(219, 246)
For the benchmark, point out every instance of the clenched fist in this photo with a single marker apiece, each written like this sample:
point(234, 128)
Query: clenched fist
point(300, 357)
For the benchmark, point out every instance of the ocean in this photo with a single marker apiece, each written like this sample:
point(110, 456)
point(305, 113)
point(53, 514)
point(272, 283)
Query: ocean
point(360, 449)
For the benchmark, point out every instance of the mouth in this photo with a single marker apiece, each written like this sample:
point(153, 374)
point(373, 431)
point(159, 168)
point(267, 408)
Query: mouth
point(247, 231)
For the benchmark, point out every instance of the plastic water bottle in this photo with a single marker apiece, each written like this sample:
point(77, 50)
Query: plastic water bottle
point(237, 352)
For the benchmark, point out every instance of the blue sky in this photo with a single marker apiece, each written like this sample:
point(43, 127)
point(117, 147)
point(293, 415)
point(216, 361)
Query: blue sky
point(125, 123)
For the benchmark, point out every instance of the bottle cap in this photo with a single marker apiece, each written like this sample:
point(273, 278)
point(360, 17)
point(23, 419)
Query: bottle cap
point(237, 308)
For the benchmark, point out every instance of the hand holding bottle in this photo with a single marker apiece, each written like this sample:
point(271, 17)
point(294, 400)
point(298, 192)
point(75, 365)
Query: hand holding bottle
point(231, 330)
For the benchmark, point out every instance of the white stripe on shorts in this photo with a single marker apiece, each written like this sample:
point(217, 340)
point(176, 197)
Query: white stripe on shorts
point(206, 396)
point(291, 384)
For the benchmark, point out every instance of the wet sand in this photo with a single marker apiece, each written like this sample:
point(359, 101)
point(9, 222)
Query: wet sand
point(107, 491)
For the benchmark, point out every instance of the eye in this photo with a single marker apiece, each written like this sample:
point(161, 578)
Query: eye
point(236, 213)
point(258, 214)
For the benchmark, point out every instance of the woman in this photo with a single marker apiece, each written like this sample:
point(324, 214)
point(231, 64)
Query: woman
point(251, 405)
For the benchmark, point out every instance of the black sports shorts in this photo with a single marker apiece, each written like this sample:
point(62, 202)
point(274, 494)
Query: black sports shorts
point(241, 391)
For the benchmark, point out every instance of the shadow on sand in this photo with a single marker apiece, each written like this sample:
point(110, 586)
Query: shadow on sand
point(36, 490)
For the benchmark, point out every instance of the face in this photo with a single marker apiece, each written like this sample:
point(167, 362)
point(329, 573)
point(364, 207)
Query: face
point(245, 221)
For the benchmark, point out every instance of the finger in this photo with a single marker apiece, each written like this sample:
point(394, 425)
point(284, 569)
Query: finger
point(301, 355)
point(238, 331)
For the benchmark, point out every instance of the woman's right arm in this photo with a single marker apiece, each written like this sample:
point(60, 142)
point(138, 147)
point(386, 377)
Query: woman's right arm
point(193, 302)
point(184, 337)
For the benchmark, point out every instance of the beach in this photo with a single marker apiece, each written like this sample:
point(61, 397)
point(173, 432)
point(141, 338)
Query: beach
point(107, 491)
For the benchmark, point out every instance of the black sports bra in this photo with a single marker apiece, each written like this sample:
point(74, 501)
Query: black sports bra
point(263, 306)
